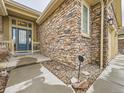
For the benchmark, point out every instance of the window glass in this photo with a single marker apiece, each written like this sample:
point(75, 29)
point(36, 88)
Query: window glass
point(22, 23)
point(85, 19)
point(13, 21)
point(29, 25)
point(14, 35)
point(22, 36)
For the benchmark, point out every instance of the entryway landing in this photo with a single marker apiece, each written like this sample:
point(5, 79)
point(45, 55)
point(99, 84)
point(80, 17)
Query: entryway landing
point(21, 60)
point(29, 76)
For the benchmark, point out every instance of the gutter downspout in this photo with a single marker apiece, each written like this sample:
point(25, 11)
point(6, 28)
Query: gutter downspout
point(102, 29)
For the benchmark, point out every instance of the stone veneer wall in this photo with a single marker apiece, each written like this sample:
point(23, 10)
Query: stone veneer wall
point(105, 38)
point(95, 32)
point(1, 37)
point(61, 38)
point(60, 34)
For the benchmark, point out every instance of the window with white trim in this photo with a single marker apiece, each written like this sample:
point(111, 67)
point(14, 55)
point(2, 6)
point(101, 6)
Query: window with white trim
point(85, 18)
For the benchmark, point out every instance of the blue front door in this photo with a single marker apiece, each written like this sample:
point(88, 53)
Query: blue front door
point(22, 39)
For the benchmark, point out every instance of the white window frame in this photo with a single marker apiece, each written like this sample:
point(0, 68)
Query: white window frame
point(83, 3)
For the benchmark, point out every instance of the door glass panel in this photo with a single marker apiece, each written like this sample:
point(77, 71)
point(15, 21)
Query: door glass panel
point(29, 39)
point(14, 35)
point(22, 37)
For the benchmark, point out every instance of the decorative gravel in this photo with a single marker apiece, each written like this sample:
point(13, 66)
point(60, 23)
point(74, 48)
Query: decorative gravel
point(65, 73)
point(3, 81)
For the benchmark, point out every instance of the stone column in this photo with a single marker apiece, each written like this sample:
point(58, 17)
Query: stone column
point(1, 36)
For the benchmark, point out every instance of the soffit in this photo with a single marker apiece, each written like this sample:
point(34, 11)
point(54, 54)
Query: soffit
point(92, 2)
point(3, 11)
point(52, 6)
point(19, 10)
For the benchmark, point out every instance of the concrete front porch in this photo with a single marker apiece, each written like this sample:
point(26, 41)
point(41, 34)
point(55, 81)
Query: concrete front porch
point(21, 60)
point(27, 75)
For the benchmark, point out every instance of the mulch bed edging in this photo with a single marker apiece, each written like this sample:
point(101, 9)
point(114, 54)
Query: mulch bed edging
point(3, 82)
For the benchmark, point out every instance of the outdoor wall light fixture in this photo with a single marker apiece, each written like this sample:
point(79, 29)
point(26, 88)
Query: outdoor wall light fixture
point(110, 20)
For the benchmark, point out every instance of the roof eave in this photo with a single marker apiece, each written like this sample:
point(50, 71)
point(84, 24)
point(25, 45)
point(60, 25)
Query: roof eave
point(22, 7)
point(3, 8)
point(52, 6)
point(22, 11)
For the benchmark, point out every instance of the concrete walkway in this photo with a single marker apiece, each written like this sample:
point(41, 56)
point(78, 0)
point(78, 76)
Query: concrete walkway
point(35, 79)
point(112, 78)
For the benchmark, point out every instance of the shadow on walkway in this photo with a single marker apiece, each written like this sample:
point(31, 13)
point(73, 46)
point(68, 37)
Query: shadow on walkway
point(35, 79)
point(38, 86)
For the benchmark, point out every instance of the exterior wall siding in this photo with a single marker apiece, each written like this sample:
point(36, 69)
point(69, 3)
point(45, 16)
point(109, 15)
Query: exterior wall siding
point(121, 46)
point(60, 34)
point(0, 23)
point(1, 28)
point(105, 38)
point(61, 38)
point(6, 28)
point(95, 32)
point(35, 38)
point(113, 30)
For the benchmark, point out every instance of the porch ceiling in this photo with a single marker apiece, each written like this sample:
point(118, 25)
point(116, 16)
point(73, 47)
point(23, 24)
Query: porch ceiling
point(19, 10)
point(19, 14)
point(92, 2)
point(3, 11)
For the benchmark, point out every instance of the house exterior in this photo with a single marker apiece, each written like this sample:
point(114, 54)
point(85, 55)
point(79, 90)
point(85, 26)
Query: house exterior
point(69, 28)
point(65, 29)
point(121, 41)
point(18, 26)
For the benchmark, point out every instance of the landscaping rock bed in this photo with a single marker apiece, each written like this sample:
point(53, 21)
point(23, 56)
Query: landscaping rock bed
point(3, 81)
point(66, 73)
